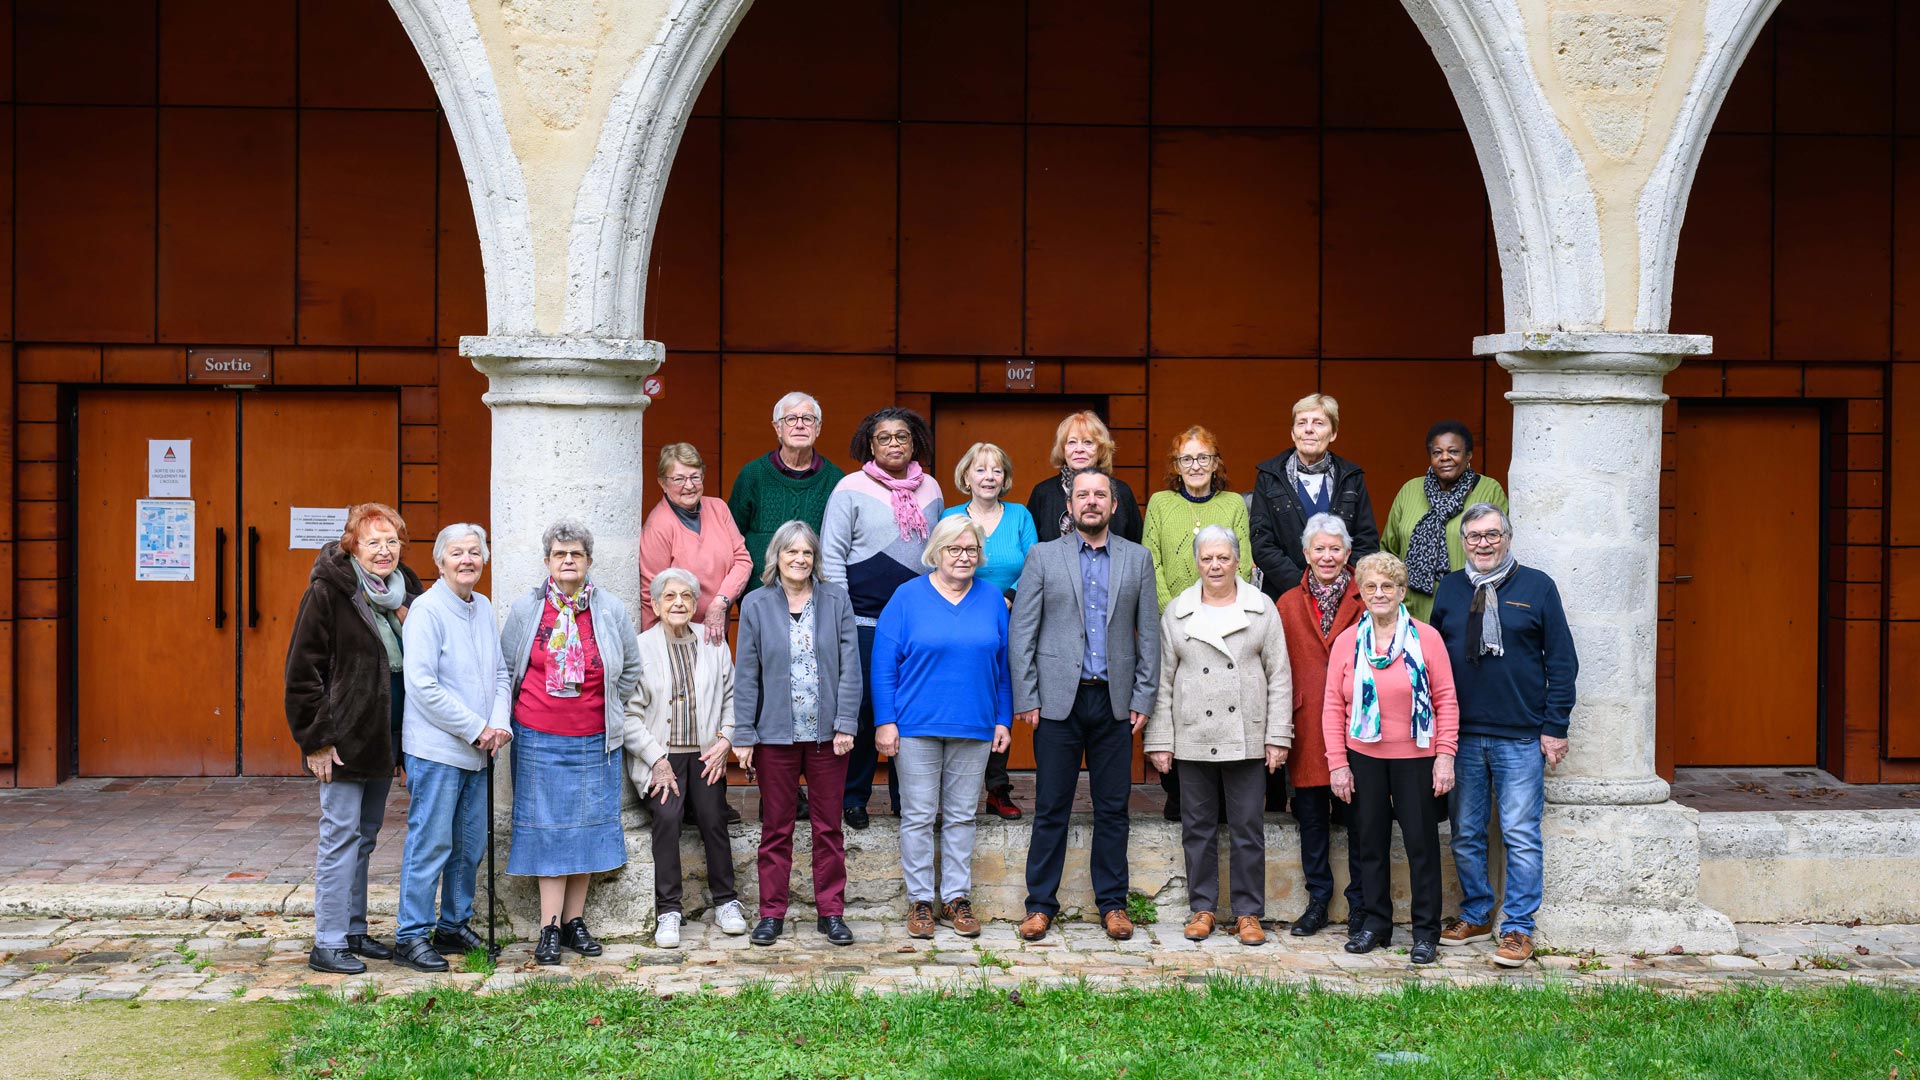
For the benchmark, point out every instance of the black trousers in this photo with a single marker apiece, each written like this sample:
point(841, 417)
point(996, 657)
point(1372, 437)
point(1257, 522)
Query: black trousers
point(997, 777)
point(1386, 790)
point(1058, 746)
point(708, 805)
point(1313, 809)
point(863, 762)
point(1241, 787)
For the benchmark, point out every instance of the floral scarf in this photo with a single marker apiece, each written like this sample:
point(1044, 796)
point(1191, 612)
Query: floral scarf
point(1363, 724)
point(1427, 558)
point(1326, 598)
point(906, 509)
point(566, 653)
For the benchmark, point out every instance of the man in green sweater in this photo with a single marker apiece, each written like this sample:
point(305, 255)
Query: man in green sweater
point(790, 484)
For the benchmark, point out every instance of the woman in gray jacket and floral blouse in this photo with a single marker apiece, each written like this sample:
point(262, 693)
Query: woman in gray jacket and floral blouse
point(1224, 711)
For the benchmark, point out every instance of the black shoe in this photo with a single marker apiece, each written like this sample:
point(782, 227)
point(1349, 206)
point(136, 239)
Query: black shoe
point(800, 810)
point(334, 961)
point(1311, 921)
point(1171, 811)
point(362, 945)
point(1355, 920)
point(419, 956)
point(767, 930)
point(856, 817)
point(1424, 952)
point(547, 952)
point(574, 936)
point(835, 928)
point(733, 814)
point(1365, 941)
point(460, 939)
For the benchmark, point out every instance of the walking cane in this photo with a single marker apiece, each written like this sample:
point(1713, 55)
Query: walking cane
point(493, 950)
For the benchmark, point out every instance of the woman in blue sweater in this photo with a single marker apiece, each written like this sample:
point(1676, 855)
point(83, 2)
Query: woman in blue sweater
point(942, 699)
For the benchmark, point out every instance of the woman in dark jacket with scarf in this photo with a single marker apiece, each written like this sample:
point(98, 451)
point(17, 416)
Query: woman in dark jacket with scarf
point(1307, 480)
point(345, 693)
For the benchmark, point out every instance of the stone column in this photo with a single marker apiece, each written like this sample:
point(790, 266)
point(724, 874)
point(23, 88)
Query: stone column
point(1622, 860)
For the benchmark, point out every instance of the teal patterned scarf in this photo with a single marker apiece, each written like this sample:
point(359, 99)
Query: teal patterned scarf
point(1364, 720)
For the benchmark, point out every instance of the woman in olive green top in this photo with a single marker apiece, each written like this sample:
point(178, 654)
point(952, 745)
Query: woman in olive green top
point(1423, 527)
point(1196, 497)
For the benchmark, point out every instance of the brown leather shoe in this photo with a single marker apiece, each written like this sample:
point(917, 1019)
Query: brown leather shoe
point(1034, 926)
point(1119, 927)
point(958, 913)
point(920, 919)
point(1515, 949)
point(1457, 931)
point(1249, 930)
point(1200, 927)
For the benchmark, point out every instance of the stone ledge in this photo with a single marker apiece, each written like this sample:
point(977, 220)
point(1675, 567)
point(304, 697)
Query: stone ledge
point(1812, 865)
point(81, 900)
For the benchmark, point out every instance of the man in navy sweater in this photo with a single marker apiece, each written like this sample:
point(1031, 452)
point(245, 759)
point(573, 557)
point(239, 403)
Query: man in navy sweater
point(1513, 669)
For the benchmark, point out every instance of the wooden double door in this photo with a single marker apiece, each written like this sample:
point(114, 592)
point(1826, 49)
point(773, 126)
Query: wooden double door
point(185, 677)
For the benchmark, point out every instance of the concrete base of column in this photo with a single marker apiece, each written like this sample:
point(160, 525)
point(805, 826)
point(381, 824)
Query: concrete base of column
point(1626, 878)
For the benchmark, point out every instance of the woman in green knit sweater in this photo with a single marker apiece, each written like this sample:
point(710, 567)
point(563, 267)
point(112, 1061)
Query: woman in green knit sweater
point(1196, 497)
point(790, 484)
point(1423, 527)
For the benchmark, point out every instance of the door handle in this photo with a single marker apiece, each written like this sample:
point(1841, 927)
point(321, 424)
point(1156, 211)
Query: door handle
point(1682, 577)
point(219, 578)
point(253, 577)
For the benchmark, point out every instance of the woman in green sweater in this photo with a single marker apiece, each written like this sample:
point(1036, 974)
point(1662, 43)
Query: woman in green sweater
point(1423, 527)
point(1196, 497)
point(790, 484)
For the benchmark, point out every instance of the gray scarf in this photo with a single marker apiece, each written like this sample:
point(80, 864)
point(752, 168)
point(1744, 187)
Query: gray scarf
point(386, 596)
point(1486, 609)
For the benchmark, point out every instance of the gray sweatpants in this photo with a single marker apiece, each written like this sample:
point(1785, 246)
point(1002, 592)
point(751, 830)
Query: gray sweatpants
point(939, 777)
point(351, 813)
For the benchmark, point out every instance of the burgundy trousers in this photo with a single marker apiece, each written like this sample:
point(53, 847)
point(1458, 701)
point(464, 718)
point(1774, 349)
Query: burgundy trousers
point(780, 769)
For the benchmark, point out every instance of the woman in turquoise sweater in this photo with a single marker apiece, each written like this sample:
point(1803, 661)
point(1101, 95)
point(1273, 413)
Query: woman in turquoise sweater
point(1423, 527)
point(1196, 497)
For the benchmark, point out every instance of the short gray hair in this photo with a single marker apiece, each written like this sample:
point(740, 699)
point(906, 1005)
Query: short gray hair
point(672, 574)
point(1216, 534)
point(1332, 524)
point(795, 397)
point(1481, 509)
point(946, 532)
point(566, 529)
point(459, 531)
point(783, 538)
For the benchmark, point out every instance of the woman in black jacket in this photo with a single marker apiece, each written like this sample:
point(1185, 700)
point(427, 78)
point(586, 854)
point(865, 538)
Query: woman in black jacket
point(344, 700)
point(1307, 480)
point(1082, 442)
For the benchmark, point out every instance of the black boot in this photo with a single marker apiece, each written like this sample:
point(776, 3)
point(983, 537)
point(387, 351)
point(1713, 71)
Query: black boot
point(334, 961)
point(767, 931)
point(460, 939)
point(419, 956)
point(800, 812)
point(1311, 921)
point(547, 952)
point(574, 936)
point(362, 945)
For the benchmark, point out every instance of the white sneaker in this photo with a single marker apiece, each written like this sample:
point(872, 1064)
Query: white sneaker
point(666, 931)
point(731, 918)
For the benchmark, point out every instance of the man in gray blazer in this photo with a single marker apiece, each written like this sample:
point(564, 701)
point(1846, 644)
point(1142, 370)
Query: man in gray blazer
point(1085, 651)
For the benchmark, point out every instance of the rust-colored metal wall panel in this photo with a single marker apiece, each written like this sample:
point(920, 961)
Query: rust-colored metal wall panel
point(1906, 248)
point(960, 209)
point(688, 410)
point(1386, 407)
point(226, 270)
point(1237, 62)
point(40, 705)
point(1835, 71)
point(84, 220)
point(822, 280)
point(465, 451)
point(6, 222)
point(1831, 248)
point(1404, 264)
point(1235, 244)
point(1903, 481)
point(461, 287)
point(1749, 102)
point(1493, 442)
point(1723, 282)
point(366, 228)
point(1235, 399)
point(848, 388)
point(354, 54)
point(1087, 61)
point(985, 81)
point(143, 364)
point(1086, 241)
point(831, 61)
point(1903, 690)
point(1379, 71)
point(100, 52)
point(683, 281)
point(227, 52)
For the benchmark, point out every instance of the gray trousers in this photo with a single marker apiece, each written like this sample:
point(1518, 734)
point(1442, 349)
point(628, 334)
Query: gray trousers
point(1242, 786)
point(939, 778)
point(351, 813)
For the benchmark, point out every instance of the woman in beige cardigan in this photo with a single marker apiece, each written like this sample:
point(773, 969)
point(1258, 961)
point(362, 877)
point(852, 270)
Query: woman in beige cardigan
point(1225, 709)
point(679, 731)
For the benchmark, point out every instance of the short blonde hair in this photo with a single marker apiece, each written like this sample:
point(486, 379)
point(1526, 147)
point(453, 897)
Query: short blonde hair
point(1096, 430)
point(679, 453)
point(1320, 403)
point(949, 530)
point(1381, 564)
point(961, 470)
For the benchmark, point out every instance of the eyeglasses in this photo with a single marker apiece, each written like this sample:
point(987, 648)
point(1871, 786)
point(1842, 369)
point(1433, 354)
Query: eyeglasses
point(893, 438)
point(1188, 461)
point(957, 551)
point(686, 481)
point(1379, 588)
point(382, 545)
point(567, 556)
point(1478, 538)
point(803, 420)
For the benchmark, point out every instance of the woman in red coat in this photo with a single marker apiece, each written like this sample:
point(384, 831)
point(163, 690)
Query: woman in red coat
point(1313, 613)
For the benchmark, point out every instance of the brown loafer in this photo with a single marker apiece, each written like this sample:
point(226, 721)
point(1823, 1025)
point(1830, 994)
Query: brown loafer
point(1200, 927)
point(1119, 927)
point(1034, 926)
point(1250, 931)
point(958, 913)
point(920, 919)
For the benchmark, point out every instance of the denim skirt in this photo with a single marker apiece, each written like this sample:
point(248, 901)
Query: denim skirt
point(566, 805)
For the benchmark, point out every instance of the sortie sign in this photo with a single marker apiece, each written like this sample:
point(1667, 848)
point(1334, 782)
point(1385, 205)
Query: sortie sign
point(230, 365)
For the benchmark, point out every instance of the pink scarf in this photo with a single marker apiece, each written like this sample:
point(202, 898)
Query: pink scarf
point(906, 509)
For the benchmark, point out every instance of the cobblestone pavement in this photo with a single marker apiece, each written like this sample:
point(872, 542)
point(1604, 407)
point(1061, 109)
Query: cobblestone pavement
point(225, 958)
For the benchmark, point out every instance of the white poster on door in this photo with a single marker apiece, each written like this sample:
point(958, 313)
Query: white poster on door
point(314, 527)
point(169, 468)
point(162, 540)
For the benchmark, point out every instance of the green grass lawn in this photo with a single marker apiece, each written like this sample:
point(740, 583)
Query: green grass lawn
point(1232, 1029)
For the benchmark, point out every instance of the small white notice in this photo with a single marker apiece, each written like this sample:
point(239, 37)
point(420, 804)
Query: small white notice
point(169, 468)
point(314, 527)
point(163, 540)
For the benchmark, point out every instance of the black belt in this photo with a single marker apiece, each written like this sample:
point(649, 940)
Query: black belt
point(1093, 682)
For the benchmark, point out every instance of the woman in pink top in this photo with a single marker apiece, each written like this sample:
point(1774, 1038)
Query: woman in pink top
point(1392, 726)
point(697, 534)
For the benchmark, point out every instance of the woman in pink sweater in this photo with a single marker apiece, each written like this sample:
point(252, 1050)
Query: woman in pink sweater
point(697, 534)
point(1392, 726)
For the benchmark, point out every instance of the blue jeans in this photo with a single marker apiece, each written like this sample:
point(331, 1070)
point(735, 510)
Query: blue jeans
point(1511, 772)
point(446, 836)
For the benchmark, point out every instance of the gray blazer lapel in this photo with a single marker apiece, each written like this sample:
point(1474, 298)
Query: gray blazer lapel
point(1116, 579)
point(1071, 558)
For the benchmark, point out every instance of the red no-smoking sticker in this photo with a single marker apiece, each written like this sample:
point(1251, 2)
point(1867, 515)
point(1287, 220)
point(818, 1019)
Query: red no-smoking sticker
point(654, 386)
